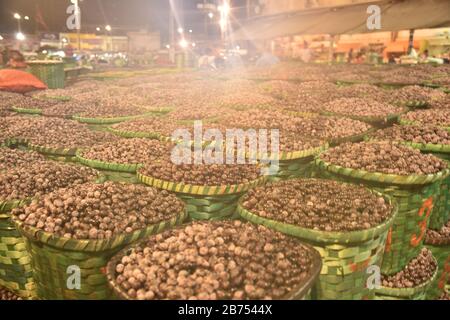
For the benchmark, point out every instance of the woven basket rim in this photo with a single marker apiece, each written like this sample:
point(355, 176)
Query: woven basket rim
point(407, 292)
point(52, 150)
point(26, 110)
point(371, 119)
point(112, 166)
point(136, 134)
point(426, 147)
point(49, 239)
point(319, 236)
point(405, 122)
point(361, 136)
point(213, 190)
point(102, 120)
point(7, 206)
point(299, 291)
point(382, 177)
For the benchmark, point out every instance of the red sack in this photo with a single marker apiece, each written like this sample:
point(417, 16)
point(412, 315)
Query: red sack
point(19, 81)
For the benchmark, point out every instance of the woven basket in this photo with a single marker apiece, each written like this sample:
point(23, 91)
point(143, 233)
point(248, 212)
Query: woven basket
point(104, 121)
point(112, 171)
point(52, 256)
point(441, 252)
point(108, 166)
point(378, 122)
point(415, 196)
point(16, 273)
point(51, 151)
point(345, 255)
point(27, 110)
point(416, 293)
point(131, 134)
point(441, 210)
point(354, 138)
point(300, 292)
point(417, 104)
point(205, 202)
point(49, 72)
point(13, 142)
point(297, 164)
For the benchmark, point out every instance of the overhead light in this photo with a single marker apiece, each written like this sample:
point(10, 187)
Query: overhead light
point(27, 18)
point(17, 16)
point(190, 31)
point(194, 44)
point(20, 36)
point(168, 46)
point(211, 15)
point(98, 29)
point(180, 30)
point(183, 43)
point(108, 28)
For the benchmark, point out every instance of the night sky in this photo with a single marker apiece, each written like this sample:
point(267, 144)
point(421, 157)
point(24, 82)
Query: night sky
point(122, 15)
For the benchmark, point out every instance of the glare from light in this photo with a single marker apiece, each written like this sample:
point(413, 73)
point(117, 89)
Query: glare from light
point(27, 18)
point(180, 30)
point(17, 16)
point(1, 38)
point(211, 15)
point(98, 29)
point(194, 44)
point(238, 48)
point(20, 36)
point(64, 40)
point(183, 43)
point(62, 54)
point(108, 28)
point(44, 51)
point(190, 31)
point(168, 46)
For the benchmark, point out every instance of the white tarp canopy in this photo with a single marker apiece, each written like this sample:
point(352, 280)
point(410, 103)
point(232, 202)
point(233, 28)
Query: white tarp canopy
point(395, 15)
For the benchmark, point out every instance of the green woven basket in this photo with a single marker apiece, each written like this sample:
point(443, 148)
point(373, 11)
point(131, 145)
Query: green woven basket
point(15, 142)
point(52, 257)
point(205, 202)
point(27, 110)
point(297, 164)
point(299, 292)
point(374, 121)
point(416, 293)
point(131, 134)
point(354, 138)
point(441, 210)
point(415, 196)
point(112, 171)
point(49, 72)
point(56, 98)
point(441, 252)
point(416, 104)
point(104, 121)
point(16, 273)
point(51, 151)
point(108, 166)
point(345, 255)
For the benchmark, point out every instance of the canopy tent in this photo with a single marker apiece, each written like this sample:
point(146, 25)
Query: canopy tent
point(395, 15)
